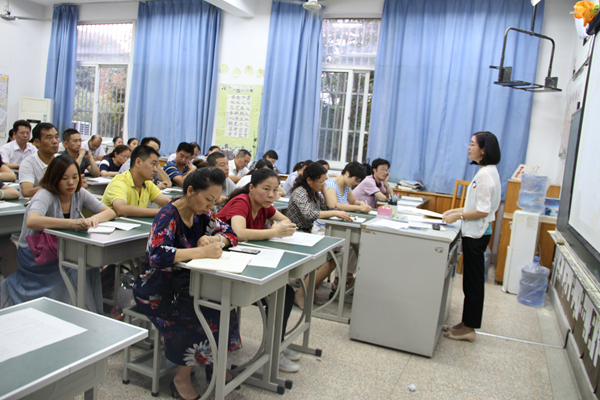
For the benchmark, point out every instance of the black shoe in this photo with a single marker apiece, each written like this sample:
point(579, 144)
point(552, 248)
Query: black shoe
point(175, 392)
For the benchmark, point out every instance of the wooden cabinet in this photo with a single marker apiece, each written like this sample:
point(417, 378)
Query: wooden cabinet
point(545, 242)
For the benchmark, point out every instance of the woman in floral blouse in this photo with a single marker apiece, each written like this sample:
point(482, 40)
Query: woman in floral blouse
point(183, 230)
point(307, 205)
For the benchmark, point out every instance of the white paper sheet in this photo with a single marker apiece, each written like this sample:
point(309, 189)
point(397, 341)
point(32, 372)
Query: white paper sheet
point(386, 223)
point(98, 181)
point(229, 262)
point(172, 190)
point(124, 226)
point(413, 210)
point(6, 204)
point(101, 229)
point(360, 220)
point(267, 258)
point(29, 329)
point(284, 199)
point(300, 239)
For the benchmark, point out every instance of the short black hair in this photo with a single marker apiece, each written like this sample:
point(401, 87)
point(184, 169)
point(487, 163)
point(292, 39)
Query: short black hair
point(488, 142)
point(211, 148)
point(271, 154)
point(379, 161)
point(142, 152)
point(185, 146)
point(195, 145)
point(131, 139)
point(11, 132)
point(149, 139)
point(37, 131)
point(355, 169)
point(117, 137)
point(67, 134)
point(244, 153)
point(323, 162)
point(213, 157)
point(19, 123)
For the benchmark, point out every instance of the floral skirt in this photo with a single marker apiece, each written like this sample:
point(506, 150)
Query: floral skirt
point(186, 342)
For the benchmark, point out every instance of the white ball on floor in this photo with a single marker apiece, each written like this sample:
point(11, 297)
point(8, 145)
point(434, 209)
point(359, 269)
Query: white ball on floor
point(412, 387)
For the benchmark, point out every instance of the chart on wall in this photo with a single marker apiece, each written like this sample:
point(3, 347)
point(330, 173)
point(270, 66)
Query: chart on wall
point(238, 116)
point(3, 105)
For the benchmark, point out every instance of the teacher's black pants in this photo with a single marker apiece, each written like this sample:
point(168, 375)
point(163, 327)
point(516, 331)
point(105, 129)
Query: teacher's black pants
point(473, 279)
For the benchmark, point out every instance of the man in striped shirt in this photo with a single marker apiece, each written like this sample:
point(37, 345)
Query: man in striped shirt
point(181, 166)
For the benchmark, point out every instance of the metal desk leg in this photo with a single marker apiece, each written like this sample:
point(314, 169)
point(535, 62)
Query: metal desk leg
point(220, 367)
point(276, 348)
point(341, 290)
point(304, 348)
point(62, 263)
point(91, 394)
point(81, 272)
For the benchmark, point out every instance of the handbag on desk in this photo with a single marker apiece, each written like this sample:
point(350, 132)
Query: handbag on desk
point(44, 247)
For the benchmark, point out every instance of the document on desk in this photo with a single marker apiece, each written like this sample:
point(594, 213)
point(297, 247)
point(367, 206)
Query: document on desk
point(172, 190)
point(99, 180)
point(360, 220)
point(418, 211)
point(228, 262)
point(267, 258)
point(6, 204)
point(300, 239)
point(101, 229)
point(124, 226)
point(284, 199)
point(29, 329)
point(386, 223)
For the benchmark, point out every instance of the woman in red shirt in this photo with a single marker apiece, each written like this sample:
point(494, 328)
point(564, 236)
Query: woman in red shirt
point(247, 212)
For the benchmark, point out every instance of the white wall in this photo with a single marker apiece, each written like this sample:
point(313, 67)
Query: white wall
point(549, 109)
point(24, 56)
point(108, 12)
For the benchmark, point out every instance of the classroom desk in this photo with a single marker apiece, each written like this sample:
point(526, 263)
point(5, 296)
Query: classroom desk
point(350, 231)
point(223, 291)
point(11, 218)
point(69, 367)
point(98, 185)
point(281, 204)
point(318, 256)
point(83, 251)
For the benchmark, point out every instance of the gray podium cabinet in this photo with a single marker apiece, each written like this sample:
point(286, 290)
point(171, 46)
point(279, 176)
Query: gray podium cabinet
point(403, 287)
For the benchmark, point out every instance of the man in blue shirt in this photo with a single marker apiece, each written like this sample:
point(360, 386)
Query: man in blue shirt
point(181, 166)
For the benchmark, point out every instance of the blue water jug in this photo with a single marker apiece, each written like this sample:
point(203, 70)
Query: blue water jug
point(532, 196)
point(534, 281)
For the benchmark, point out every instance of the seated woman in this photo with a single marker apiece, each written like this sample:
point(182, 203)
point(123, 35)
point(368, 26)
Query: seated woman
point(298, 169)
point(247, 211)
point(114, 160)
point(183, 230)
point(375, 187)
point(56, 205)
point(260, 164)
point(306, 205)
point(8, 250)
point(6, 174)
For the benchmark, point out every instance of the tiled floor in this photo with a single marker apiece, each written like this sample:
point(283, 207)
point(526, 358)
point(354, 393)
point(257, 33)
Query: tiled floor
point(489, 368)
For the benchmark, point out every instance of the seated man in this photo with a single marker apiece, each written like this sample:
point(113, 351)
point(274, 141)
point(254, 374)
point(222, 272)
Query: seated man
point(32, 169)
point(161, 179)
point(85, 159)
point(271, 156)
point(128, 193)
point(94, 145)
point(194, 155)
point(15, 151)
point(218, 160)
point(181, 166)
point(375, 187)
point(211, 150)
point(238, 166)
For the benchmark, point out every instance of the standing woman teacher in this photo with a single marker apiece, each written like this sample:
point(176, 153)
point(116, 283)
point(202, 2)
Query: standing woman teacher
point(481, 203)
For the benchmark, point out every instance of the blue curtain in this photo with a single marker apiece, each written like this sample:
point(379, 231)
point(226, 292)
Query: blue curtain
point(289, 118)
point(62, 62)
point(173, 88)
point(433, 87)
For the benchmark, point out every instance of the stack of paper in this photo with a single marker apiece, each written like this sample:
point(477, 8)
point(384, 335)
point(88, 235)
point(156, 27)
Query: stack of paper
point(124, 226)
point(386, 223)
point(101, 229)
point(228, 262)
point(300, 239)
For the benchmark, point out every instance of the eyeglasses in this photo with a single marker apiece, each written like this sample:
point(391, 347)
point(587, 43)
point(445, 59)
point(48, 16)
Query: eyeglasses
point(23, 132)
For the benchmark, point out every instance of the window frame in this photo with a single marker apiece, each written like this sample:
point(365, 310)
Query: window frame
point(98, 65)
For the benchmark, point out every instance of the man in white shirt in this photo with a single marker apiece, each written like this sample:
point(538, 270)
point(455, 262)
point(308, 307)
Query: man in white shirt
point(32, 169)
point(14, 152)
point(85, 159)
point(237, 166)
point(218, 160)
point(94, 145)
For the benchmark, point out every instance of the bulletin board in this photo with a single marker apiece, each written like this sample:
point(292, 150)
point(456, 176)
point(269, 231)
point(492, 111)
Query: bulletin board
point(3, 105)
point(238, 116)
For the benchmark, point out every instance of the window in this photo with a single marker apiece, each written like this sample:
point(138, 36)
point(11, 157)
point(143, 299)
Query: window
point(103, 58)
point(349, 51)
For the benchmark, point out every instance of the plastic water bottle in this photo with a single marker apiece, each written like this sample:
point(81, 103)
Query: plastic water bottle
point(534, 281)
point(532, 195)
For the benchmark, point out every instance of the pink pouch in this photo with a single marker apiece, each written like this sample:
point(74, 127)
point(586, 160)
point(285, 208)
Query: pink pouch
point(44, 247)
point(384, 212)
